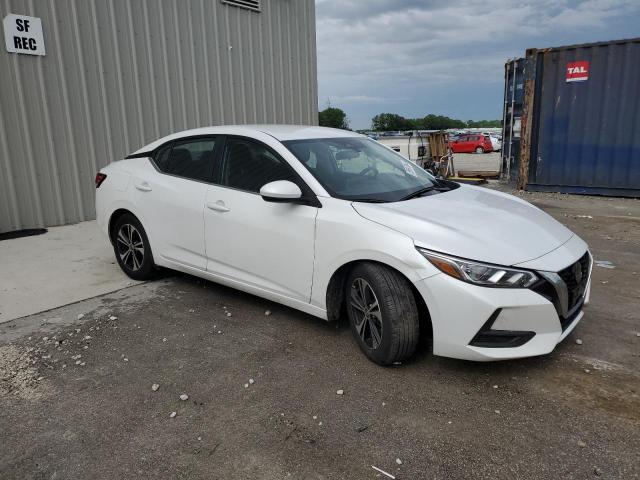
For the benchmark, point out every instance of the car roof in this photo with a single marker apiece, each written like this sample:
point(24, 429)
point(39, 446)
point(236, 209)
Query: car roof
point(300, 132)
point(279, 132)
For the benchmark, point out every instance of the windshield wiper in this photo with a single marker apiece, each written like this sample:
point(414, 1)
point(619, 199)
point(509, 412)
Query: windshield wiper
point(368, 200)
point(443, 185)
point(417, 193)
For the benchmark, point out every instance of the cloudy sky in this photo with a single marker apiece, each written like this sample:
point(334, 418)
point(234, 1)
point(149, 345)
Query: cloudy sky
point(415, 57)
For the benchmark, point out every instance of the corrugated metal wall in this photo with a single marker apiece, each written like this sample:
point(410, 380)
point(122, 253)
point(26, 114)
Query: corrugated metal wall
point(121, 73)
point(585, 135)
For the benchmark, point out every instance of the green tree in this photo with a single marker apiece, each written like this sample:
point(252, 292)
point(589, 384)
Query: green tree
point(440, 122)
point(390, 121)
point(484, 123)
point(333, 117)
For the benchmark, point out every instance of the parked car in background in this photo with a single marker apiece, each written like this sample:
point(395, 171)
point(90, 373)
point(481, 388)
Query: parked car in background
point(496, 144)
point(331, 222)
point(470, 143)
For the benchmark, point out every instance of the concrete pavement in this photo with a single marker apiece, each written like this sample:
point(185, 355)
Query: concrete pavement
point(65, 265)
point(477, 162)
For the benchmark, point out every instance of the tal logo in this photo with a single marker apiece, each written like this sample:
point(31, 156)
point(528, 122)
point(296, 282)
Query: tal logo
point(577, 71)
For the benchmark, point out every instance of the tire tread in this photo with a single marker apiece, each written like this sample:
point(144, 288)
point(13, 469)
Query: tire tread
point(148, 271)
point(394, 290)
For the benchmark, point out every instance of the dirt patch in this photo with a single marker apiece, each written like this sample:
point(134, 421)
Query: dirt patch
point(599, 386)
point(18, 375)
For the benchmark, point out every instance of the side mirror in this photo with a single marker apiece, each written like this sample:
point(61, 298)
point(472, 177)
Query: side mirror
point(280, 191)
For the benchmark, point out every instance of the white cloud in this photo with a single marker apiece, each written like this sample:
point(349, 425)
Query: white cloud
point(369, 50)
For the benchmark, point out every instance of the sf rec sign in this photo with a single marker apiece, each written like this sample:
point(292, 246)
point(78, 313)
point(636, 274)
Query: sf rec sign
point(23, 34)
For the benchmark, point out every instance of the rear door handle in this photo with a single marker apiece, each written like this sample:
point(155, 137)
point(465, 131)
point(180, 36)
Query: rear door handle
point(217, 206)
point(143, 186)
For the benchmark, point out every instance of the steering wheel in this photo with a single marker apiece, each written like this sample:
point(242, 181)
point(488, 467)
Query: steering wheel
point(369, 169)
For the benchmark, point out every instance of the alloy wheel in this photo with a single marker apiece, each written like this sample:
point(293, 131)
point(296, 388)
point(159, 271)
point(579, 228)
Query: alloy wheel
point(130, 247)
point(366, 314)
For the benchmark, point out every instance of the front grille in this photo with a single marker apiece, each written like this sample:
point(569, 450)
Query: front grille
point(575, 276)
point(567, 320)
point(566, 289)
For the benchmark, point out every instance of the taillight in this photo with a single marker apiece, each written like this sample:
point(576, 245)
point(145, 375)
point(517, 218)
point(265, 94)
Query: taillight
point(100, 177)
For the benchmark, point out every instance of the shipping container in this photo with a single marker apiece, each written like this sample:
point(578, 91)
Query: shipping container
point(512, 111)
point(581, 119)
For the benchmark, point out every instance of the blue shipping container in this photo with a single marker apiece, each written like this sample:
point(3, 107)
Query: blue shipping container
point(585, 122)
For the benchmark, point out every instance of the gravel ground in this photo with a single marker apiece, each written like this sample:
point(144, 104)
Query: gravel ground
point(90, 390)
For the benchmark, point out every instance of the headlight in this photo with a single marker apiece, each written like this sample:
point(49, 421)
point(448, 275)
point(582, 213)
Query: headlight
point(480, 273)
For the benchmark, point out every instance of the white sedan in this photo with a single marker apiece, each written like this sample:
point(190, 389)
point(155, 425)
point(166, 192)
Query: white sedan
point(333, 223)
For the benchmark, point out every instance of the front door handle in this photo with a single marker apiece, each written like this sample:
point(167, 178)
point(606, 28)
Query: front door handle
point(143, 187)
point(217, 206)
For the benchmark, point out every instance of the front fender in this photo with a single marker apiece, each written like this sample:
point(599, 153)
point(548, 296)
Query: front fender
point(343, 236)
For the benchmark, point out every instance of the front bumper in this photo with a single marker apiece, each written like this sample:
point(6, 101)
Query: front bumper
point(460, 311)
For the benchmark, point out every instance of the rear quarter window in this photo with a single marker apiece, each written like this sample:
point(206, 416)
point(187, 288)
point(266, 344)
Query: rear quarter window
point(162, 157)
point(191, 159)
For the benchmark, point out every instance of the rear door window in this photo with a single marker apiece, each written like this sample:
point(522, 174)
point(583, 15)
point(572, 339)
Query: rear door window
point(192, 159)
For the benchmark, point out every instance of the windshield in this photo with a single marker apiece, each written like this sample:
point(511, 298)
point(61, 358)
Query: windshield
point(360, 169)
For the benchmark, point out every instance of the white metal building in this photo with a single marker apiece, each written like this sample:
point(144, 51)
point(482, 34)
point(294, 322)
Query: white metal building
point(84, 82)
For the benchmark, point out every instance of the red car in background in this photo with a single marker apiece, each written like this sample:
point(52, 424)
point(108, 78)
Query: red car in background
point(469, 143)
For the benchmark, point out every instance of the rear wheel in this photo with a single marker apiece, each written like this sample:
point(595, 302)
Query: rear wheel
point(131, 246)
point(382, 312)
point(479, 150)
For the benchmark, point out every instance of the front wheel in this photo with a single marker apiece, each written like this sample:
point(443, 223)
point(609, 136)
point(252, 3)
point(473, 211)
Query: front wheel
point(132, 249)
point(382, 312)
point(479, 150)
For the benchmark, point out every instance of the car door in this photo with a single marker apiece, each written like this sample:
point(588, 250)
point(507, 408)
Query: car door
point(262, 244)
point(461, 144)
point(171, 199)
point(470, 144)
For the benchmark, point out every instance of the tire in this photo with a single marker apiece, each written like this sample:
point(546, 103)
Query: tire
point(479, 150)
point(396, 321)
point(132, 249)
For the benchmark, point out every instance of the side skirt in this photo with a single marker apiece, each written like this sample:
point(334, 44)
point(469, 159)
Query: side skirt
point(252, 289)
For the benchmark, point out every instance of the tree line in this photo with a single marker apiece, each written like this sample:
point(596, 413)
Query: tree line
point(392, 121)
point(336, 118)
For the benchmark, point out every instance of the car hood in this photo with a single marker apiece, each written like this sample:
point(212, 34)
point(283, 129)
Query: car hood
point(473, 223)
